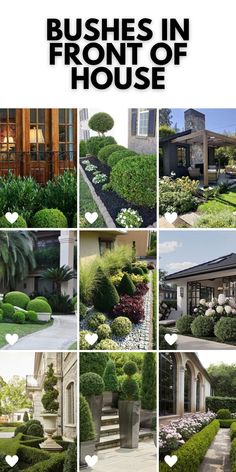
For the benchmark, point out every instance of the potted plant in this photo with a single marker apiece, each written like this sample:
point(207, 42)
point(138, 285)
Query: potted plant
point(92, 387)
point(110, 396)
point(129, 408)
point(148, 390)
point(87, 431)
point(50, 412)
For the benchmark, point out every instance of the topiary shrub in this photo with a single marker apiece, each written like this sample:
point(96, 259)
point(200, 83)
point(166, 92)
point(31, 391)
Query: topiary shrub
point(105, 295)
point(51, 393)
point(183, 324)
point(107, 345)
point(96, 320)
point(82, 148)
point(26, 417)
point(70, 464)
point(82, 310)
point(39, 306)
point(19, 299)
point(130, 368)
point(101, 122)
point(121, 326)
point(87, 430)
point(19, 223)
point(91, 384)
point(130, 386)
point(8, 311)
point(83, 344)
point(126, 286)
point(119, 155)
point(106, 151)
point(19, 317)
point(4, 467)
point(223, 414)
point(134, 179)
point(35, 430)
point(49, 218)
point(110, 377)
point(96, 143)
point(148, 385)
point(137, 270)
point(41, 298)
point(103, 331)
point(202, 326)
point(225, 329)
point(31, 316)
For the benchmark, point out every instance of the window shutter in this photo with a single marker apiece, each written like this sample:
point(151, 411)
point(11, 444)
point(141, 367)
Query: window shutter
point(134, 115)
point(152, 122)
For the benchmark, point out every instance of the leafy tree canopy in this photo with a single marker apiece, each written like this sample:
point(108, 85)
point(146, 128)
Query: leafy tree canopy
point(13, 396)
point(223, 379)
point(165, 117)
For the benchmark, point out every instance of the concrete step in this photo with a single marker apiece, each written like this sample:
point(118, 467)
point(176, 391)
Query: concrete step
point(110, 420)
point(109, 430)
point(107, 410)
point(114, 440)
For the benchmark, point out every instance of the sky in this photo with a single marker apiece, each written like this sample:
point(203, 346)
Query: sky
point(16, 363)
point(216, 357)
point(120, 117)
point(217, 119)
point(180, 250)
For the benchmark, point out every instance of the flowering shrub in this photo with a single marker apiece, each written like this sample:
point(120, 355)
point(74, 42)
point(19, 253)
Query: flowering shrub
point(128, 218)
point(177, 195)
point(86, 162)
point(132, 307)
point(177, 432)
point(216, 308)
point(99, 178)
point(141, 289)
point(90, 167)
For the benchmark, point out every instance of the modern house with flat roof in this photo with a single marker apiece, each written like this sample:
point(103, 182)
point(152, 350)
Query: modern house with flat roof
point(206, 280)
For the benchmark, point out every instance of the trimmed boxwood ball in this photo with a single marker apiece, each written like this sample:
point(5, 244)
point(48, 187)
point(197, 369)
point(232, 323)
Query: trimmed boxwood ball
point(126, 286)
point(31, 315)
point(130, 389)
point(87, 430)
point(130, 368)
point(118, 155)
point(40, 306)
point(70, 464)
point(91, 384)
point(225, 329)
point(96, 320)
point(49, 218)
point(121, 326)
point(202, 326)
point(19, 299)
point(107, 345)
point(8, 311)
point(19, 223)
point(19, 317)
point(137, 271)
point(83, 344)
point(223, 414)
point(41, 298)
point(105, 152)
point(134, 179)
point(183, 324)
point(35, 430)
point(96, 143)
point(103, 331)
point(105, 295)
point(101, 122)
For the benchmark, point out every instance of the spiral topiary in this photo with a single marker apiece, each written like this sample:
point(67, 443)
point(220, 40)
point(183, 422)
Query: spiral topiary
point(51, 393)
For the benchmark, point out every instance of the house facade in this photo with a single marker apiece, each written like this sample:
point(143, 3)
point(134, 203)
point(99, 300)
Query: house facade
point(65, 369)
point(142, 132)
point(207, 280)
point(184, 385)
point(41, 142)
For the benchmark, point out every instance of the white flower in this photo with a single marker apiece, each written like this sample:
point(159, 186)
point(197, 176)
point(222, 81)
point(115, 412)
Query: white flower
point(211, 304)
point(195, 310)
point(210, 312)
point(221, 299)
point(233, 311)
point(202, 301)
point(228, 309)
point(219, 309)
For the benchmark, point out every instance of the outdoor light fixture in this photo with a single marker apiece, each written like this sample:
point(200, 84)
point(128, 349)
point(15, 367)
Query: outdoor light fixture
point(181, 291)
point(36, 136)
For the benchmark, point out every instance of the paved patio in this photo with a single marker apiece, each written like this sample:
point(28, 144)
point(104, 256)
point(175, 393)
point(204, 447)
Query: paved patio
point(189, 343)
point(217, 458)
point(142, 459)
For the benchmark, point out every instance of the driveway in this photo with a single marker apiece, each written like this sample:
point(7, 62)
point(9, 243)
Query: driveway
point(57, 337)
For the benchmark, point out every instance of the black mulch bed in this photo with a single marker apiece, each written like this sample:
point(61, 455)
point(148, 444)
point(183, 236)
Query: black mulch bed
point(114, 202)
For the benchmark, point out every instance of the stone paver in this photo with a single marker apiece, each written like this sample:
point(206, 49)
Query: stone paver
point(125, 460)
point(189, 343)
point(190, 218)
point(5, 435)
point(217, 458)
point(59, 336)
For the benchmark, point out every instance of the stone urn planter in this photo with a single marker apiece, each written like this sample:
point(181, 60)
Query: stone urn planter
point(95, 404)
point(51, 407)
point(110, 399)
point(146, 417)
point(129, 419)
point(50, 427)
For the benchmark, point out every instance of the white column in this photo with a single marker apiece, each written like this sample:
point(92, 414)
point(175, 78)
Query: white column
point(182, 298)
point(180, 392)
point(193, 394)
point(202, 397)
point(67, 242)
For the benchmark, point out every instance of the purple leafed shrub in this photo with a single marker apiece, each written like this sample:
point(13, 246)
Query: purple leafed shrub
point(132, 307)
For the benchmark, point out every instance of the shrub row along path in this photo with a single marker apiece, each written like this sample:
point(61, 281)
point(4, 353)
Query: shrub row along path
point(217, 458)
point(58, 336)
point(189, 342)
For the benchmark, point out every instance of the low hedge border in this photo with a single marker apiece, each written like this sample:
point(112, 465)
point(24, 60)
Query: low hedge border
point(227, 423)
point(192, 453)
point(54, 464)
point(233, 431)
point(233, 456)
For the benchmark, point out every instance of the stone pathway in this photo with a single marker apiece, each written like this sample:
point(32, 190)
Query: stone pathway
point(217, 458)
point(189, 343)
point(59, 336)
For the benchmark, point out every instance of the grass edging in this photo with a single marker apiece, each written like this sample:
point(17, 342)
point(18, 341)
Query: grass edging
point(192, 453)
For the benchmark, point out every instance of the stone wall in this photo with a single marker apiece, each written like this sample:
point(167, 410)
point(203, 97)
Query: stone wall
point(195, 121)
point(141, 144)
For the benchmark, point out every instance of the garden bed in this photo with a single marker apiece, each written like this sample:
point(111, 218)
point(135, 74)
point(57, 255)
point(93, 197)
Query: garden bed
point(113, 202)
point(87, 204)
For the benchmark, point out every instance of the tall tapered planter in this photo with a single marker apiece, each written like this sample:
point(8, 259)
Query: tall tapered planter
point(96, 403)
point(129, 419)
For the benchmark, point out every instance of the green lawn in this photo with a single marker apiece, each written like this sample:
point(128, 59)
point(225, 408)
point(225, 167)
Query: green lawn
point(9, 446)
point(87, 204)
point(5, 429)
point(224, 201)
point(21, 330)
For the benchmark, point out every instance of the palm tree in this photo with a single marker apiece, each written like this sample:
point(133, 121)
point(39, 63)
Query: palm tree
point(16, 256)
point(59, 275)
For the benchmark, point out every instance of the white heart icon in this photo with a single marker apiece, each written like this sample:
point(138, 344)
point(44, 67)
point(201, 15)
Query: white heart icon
point(91, 338)
point(91, 217)
point(170, 460)
point(170, 339)
point(170, 217)
point(11, 460)
point(11, 338)
point(11, 217)
point(91, 461)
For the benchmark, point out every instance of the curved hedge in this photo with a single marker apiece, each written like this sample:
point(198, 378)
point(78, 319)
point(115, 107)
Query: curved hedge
point(233, 456)
point(233, 430)
point(96, 143)
point(117, 156)
point(192, 453)
point(135, 179)
point(106, 151)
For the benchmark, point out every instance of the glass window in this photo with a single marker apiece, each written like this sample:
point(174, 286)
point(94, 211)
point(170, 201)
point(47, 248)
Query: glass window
point(181, 156)
point(104, 245)
point(143, 116)
point(7, 131)
point(198, 392)
point(70, 397)
point(66, 134)
point(37, 134)
point(187, 389)
point(167, 388)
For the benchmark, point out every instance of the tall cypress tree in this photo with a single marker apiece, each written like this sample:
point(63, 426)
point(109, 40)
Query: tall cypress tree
point(148, 387)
